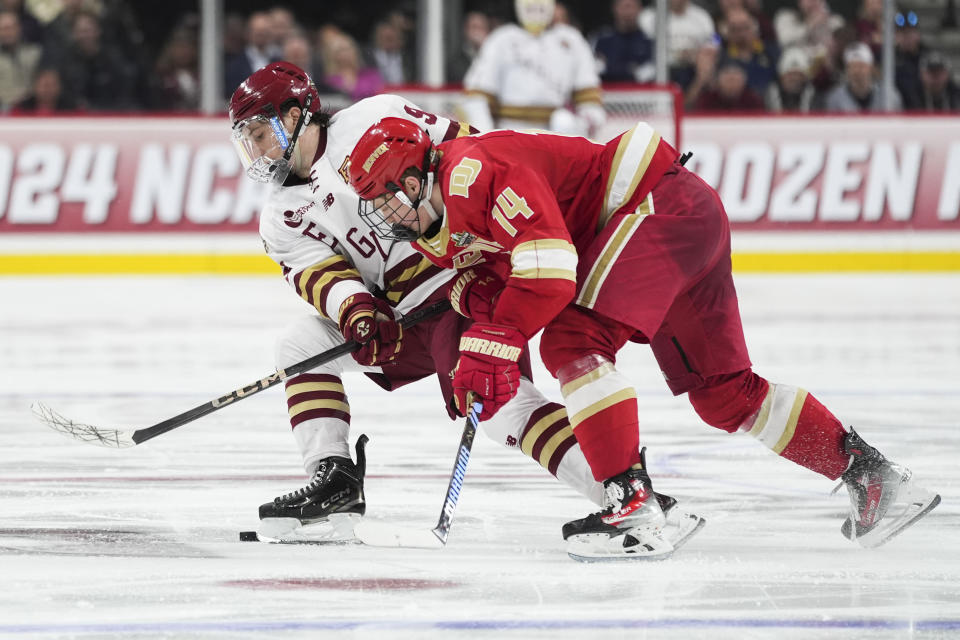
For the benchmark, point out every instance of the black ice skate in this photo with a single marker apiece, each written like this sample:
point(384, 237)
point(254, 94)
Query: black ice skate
point(631, 526)
point(884, 500)
point(325, 510)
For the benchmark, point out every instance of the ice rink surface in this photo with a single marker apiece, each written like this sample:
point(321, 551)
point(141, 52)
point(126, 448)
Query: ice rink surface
point(142, 543)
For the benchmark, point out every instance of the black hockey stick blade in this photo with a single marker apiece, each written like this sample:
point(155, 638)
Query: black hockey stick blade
point(124, 438)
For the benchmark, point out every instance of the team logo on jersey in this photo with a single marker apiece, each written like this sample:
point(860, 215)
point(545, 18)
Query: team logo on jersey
point(462, 238)
point(293, 218)
point(344, 170)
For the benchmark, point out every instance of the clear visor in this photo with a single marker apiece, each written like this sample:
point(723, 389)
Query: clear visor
point(261, 143)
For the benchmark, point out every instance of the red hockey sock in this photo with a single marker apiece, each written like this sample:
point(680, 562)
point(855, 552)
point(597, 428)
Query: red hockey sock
point(602, 406)
point(817, 441)
point(787, 420)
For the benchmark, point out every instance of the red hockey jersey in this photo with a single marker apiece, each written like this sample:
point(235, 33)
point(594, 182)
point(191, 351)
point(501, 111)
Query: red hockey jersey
point(534, 201)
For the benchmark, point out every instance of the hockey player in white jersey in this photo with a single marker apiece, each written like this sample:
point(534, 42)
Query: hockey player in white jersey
point(535, 76)
point(358, 285)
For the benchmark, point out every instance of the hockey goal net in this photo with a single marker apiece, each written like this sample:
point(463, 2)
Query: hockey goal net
point(660, 106)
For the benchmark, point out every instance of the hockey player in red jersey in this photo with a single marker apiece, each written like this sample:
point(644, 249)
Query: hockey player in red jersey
point(356, 287)
point(601, 244)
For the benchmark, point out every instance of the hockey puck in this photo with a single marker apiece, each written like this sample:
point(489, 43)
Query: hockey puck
point(249, 536)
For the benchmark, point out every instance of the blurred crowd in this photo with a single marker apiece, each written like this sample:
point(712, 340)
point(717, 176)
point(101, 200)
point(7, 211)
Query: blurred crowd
point(801, 58)
point(725, 55)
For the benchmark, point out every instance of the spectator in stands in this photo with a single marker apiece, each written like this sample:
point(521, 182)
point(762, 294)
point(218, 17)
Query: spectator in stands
point(730, 91)
point(47, 97)
point(767, 33)
point(234, 35)
point(298, 50)
point(624, 52)
point(476, 27)
point(562, 15)
point(256, 54)
point(860, 90)
point(909, 49)
point(30, 28)
point(743, 43)
point(705, 68)
point(811, 27)
point(59, 31)
point(689, 28)
point(827, 72)
point(282, 26)
point(177, 73)
point(388, 54)
point(95, 72)
point(344, 68)
point(793, 91)
point(938, 90)
point(869, 24)
point(755, 9)
point(18, 61)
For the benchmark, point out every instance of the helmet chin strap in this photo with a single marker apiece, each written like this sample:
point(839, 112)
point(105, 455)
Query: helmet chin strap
point(411, 234)
point(281, 168)
point(424, 200)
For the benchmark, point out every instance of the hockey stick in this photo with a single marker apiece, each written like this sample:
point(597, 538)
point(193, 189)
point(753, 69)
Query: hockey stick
point(122, 438)
point(380, 534)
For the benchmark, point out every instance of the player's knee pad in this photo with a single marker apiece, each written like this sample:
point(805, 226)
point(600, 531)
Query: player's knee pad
point(728, 402)
point(576, 333)
point(307, 337)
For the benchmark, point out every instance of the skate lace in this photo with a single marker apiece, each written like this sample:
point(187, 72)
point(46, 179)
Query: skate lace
point(613, 495)
point(299, 494)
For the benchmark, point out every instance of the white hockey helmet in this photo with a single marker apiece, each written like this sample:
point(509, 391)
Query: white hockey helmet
point(535, 15)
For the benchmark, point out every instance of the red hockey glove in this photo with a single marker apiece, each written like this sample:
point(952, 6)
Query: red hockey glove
point(370, 322)
point(474, 293)
point(487, 367)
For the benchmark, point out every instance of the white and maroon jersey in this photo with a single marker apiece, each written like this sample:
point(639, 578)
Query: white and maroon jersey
point(536, 202)
point(310, 226)
point(525, 77)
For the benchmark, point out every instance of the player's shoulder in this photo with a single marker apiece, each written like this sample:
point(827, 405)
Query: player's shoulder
point(561, 30)
point(283, 212)
point(368, 110)
point(504, 33)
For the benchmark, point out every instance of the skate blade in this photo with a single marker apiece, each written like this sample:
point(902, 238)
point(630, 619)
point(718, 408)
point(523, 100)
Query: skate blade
point(335, 528)
point(681, 527)
point(383, 534)
point(599, 547)
point(882, 534)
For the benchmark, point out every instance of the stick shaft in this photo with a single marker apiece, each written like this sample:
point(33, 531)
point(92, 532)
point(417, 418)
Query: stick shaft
point(442, 530)
point(142, 435)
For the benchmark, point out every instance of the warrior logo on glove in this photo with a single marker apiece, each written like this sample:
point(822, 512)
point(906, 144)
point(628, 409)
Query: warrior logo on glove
point(487, 367)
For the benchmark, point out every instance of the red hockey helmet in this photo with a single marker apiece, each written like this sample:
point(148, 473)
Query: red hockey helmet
point(377, 164)
point(383, 153)
point(256, 109)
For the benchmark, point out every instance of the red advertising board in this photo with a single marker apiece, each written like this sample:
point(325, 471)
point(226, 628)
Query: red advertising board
point(831, 173)
point(123, 174)
point(774, 173)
